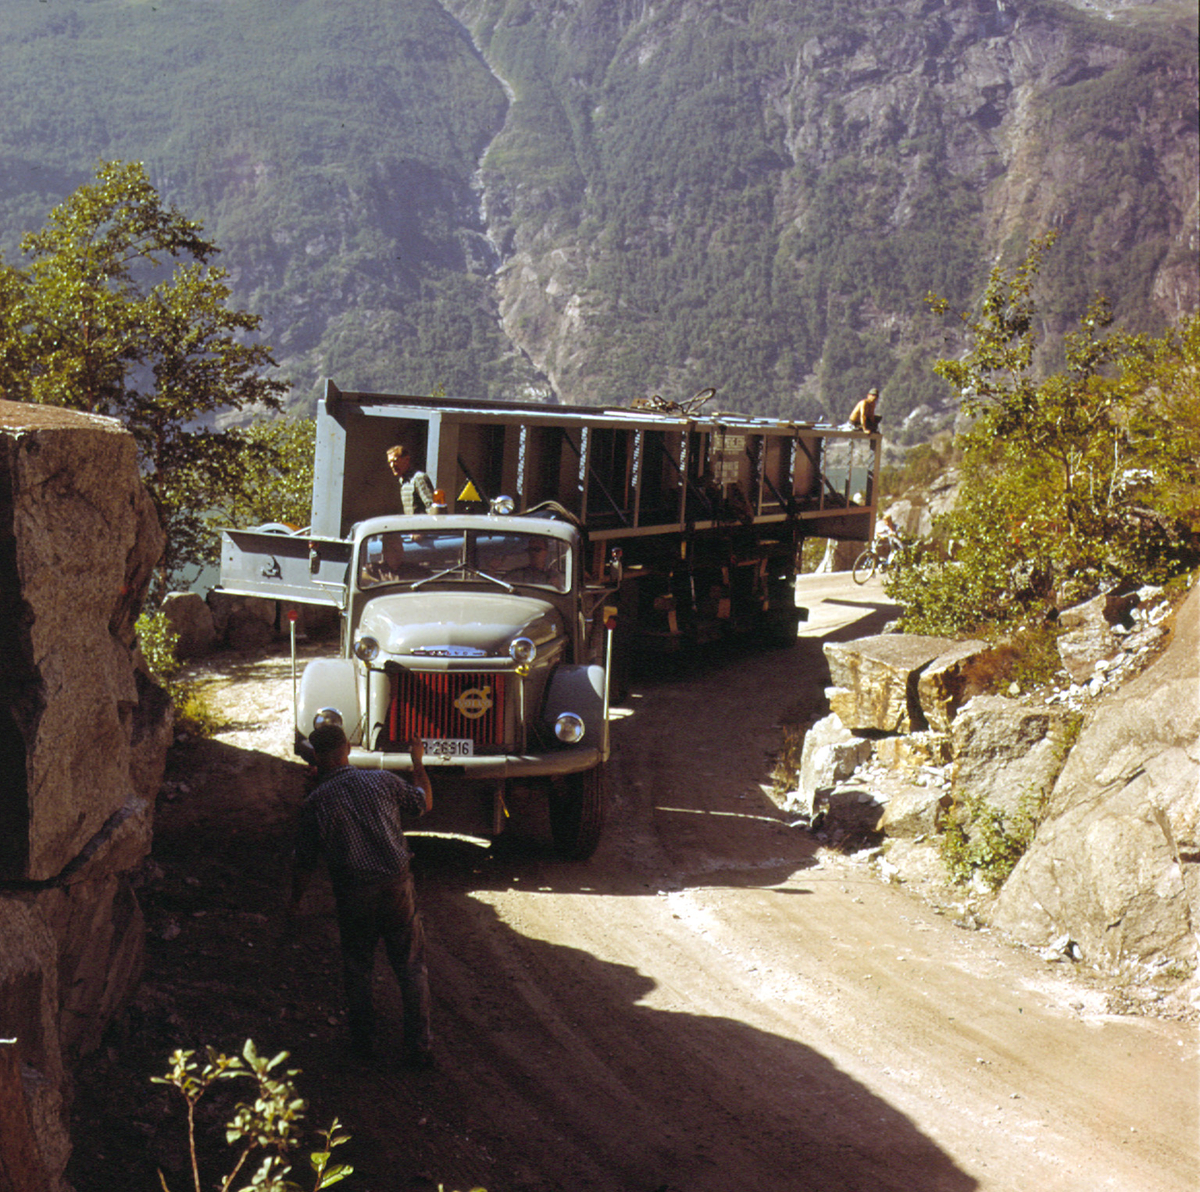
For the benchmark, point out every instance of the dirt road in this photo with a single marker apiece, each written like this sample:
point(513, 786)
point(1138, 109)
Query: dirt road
point(712, 1003)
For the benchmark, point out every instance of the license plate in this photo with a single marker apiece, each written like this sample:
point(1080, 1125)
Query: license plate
point(444, 749)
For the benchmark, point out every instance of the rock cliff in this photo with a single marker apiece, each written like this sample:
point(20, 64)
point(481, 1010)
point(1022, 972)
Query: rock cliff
point(1116, 863)
point(83, 739)
point(1112, 875)
point(838, 163)
point(598, 200)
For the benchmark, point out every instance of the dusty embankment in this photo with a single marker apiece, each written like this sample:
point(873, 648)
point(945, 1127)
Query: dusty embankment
point(713, 1002)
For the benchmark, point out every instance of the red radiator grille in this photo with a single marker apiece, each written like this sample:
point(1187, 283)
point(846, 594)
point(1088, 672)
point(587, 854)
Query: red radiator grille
point(446, 704)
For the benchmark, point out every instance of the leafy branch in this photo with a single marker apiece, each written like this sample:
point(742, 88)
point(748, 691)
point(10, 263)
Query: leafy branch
point(267, 1124)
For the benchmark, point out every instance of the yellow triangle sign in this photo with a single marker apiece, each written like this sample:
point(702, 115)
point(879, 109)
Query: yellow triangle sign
point(469, 493)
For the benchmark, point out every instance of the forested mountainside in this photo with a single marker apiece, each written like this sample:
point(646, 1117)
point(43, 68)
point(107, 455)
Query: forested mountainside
point(598, 199)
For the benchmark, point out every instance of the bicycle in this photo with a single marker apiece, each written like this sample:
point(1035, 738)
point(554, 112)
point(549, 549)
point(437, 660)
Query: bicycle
point(871, 560)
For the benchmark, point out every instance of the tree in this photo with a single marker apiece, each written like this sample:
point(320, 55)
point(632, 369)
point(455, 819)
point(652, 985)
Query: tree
point(1070, 480)
point(278, 475)
point(118, 312)
point(1062, 426)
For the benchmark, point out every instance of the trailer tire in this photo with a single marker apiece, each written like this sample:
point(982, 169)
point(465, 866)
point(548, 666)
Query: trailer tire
point(577, 813)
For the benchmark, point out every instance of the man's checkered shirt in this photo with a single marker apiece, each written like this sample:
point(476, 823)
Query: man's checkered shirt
point(353, 818)
point(416, 486)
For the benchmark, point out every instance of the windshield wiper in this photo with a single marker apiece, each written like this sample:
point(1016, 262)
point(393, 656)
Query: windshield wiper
point(448, 571)
point(466, 573)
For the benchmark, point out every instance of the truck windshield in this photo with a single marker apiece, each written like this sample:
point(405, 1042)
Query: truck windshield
point(518, 559)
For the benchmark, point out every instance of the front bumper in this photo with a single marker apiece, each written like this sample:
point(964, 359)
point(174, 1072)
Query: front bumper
point(542, 765)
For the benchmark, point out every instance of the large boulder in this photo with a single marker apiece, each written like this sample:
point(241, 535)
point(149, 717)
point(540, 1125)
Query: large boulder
point(912, 811)
point(191, 619)
point(1114, 864)
point(830, 755)
point(83, 741)
point(78, 539)
point(1005, 751)
point(877, 681)
point(244, 622)
point(101, 948)
point(944, 685)
point(29, 1014)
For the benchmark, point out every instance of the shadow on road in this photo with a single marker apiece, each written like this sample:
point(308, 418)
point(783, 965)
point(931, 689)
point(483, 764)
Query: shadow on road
point(555, 1072)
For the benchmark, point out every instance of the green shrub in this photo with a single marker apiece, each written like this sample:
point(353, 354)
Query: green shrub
point(1069, 481)
point(159, 642)
point(981, 839)
point(265, 1127)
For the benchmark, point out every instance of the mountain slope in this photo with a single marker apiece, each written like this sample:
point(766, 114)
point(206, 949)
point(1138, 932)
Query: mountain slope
point(752, 194)
point(759, 195)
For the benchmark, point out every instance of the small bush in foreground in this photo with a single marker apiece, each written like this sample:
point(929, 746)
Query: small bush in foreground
point(267, 1125)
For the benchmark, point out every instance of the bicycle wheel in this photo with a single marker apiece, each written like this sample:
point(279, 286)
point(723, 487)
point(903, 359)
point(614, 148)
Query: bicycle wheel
point(864, 566)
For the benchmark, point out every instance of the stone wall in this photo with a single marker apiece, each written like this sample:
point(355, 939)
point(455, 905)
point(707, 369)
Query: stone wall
point(83, 740)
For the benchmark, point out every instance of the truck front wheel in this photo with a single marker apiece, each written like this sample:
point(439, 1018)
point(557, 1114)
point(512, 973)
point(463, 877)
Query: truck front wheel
point(577, 813)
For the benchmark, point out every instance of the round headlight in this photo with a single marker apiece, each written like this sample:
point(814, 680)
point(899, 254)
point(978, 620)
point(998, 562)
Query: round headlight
point(327, 716)
point(568, 728)
point(366, 648)
point(522, 651)
point(503, 506)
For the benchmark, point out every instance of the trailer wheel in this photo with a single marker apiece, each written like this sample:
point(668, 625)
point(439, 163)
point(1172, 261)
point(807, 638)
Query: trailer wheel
point(577, 813)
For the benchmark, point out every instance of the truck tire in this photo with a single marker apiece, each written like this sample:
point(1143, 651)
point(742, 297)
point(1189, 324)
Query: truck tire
point(577, 814)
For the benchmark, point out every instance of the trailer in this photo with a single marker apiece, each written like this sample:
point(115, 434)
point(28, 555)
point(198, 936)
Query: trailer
point(664, 525)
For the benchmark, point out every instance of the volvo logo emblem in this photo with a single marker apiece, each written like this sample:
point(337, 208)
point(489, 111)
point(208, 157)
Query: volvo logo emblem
point(474, 702)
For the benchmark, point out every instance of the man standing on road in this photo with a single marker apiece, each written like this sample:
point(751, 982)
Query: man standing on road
point(352, 817)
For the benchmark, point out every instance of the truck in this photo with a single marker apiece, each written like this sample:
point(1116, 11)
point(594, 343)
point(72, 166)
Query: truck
point(563, 542)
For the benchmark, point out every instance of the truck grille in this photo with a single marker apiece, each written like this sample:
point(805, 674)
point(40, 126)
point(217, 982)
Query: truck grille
point(446, 704)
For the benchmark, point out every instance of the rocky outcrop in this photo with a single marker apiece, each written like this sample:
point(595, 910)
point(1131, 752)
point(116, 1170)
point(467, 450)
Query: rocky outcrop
point(830, 755)
point(899, 683)
point(890, 690)
point(1007, 753)
point(83, 739)
point(1113, 873)
point(191, 620)
point(1115, 864)
point(1087, 638)
point(879, 100)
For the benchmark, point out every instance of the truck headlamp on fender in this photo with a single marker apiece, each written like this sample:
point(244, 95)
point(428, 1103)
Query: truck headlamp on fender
point(568, 728)
point(327, 716)
point(366, 648)
point(503, 506)
point(522, 651)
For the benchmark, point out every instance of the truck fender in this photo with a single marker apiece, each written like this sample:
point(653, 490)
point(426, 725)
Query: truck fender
point(328, 683)
point(578, 689)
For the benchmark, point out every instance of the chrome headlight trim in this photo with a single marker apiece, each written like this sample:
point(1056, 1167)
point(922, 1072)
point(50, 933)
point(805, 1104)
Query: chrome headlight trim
point(522, 650)
point(366, 648)
point(327, 716)
point(569, 728)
